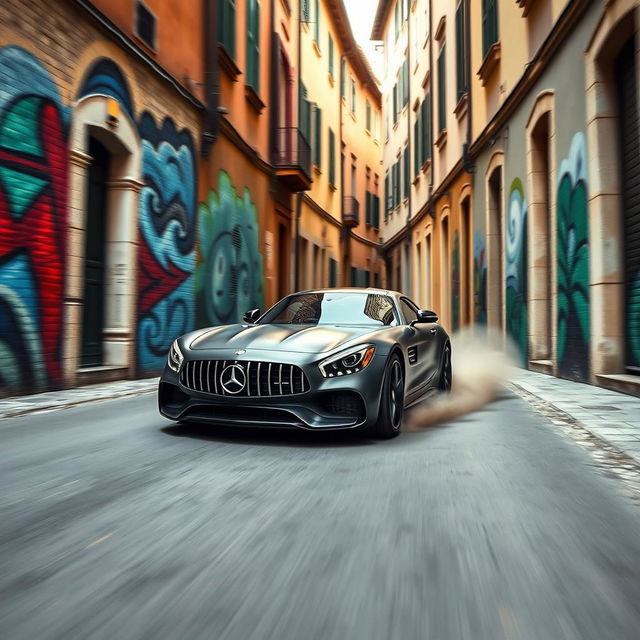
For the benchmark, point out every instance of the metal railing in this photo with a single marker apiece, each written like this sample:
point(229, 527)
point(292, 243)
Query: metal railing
point(292, 150)
point(350, 211)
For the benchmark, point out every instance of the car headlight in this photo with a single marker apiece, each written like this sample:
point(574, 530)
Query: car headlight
point(347, 362)
point(175, 358)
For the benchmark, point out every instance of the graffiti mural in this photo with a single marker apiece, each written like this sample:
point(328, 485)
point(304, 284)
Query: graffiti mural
point(455, 283)
point(33, 192)
point(166, 259)
point(516, 268)
point(229, 278)
point(479, 278)
point(573, 264)
point(105, 78)
point(633, 322)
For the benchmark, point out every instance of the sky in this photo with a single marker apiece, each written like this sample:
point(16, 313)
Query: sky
point(361, 15)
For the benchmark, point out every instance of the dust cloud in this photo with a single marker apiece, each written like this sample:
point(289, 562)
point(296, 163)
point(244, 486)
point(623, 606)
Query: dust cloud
point(480, 367)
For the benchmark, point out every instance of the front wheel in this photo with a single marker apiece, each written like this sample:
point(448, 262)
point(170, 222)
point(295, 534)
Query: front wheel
point(444, 384)
point(391, 401)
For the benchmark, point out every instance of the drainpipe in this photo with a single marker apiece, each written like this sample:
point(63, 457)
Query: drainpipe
point(430, 201)
point(410, 155)
point(343, 230)
point(212, 91)
point(299, 194)
point(467, 162)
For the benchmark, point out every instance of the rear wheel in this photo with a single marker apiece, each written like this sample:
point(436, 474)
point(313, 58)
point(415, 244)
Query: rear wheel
point(391, 401)
point(445, 372)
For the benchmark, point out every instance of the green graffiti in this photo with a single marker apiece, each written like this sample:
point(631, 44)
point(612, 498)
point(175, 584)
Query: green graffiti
point(573, 264)
point(516, 270)
point(455, 283)
point(229, 277)
point(479, 278)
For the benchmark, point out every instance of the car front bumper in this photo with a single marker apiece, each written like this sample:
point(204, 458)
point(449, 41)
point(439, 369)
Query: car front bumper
point(345, 402)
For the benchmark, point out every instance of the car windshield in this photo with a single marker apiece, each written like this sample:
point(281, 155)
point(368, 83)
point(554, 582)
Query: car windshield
point(344, 308)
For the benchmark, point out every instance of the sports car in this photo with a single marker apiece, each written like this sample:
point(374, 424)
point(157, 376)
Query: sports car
point(321, 359)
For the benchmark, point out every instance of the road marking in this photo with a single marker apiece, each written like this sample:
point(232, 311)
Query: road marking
point(98, 541)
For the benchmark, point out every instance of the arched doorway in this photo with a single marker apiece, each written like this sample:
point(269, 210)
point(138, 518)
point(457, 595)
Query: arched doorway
point(105, 157)
point(494, 227)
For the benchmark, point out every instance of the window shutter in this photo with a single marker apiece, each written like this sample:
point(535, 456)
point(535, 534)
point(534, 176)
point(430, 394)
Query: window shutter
point(305, 113)
point(343, 79)
point(253, 53)
point(387, 195)
point(416, 144)
point(367, 208)
point(489, 25)
point(405, 82)
point(442, 97)
point(368, 123)
point(461, 63)
point(405, 192)
point(332, 158)
point(376, 212)
point(330, 56)
point(305, 11)
point(316, 31)
point(317, 142)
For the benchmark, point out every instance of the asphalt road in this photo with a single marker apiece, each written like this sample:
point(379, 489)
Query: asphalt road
point(115, 524)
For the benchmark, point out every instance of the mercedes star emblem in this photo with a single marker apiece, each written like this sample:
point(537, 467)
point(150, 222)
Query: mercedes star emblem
point(233, 379)
point(239, 353)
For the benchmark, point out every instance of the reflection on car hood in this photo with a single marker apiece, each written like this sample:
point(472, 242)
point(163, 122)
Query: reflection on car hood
point(279, 337)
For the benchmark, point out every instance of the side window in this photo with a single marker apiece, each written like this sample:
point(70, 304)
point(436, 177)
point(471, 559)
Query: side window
point(407, 311)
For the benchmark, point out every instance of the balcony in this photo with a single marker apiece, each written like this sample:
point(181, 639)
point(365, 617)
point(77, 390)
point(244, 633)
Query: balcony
point(350, 212)
point(292, 159)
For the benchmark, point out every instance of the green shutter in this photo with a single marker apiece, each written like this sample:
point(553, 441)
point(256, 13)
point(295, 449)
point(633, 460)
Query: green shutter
point(442, 91)
point(317, 143)
point(405, 82)
point(367, 208)
point(343, 78)
point(416, 144)
point(316, 27)
point(368, 117)
point(489, 25)
point(406, 172)
point(305, 11)
point(353, 96)
point(305, 113)
point(376, 211)
point(387, 195)
point(397, 20)
point(461, 63)
point(227, 26)
point(330, 56)
point(253, 44)
point(333, 272)
point(332, 158)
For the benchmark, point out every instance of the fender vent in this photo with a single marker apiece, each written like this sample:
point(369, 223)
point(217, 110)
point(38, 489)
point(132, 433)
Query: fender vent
point(412, 354)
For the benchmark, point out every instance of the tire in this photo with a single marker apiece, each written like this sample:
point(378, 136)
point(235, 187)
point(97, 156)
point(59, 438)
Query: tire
point(444, 384)
point(389, 421)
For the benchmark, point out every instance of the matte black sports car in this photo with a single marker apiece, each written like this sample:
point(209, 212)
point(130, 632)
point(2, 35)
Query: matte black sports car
point(323, 359)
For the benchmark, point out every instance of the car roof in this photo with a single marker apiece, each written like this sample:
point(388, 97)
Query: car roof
point(386, 292)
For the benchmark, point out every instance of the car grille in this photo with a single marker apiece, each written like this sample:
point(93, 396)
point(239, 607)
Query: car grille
point(252, 379)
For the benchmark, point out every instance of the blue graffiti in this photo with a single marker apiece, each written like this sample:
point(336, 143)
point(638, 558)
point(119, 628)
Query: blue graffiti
point(105, 78)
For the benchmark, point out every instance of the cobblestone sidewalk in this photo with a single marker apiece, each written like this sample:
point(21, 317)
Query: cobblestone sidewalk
point(21, 405)
point(608, 415)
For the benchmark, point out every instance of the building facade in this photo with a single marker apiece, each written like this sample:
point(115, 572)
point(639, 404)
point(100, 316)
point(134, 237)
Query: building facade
point(154, 161)
point(530, 220)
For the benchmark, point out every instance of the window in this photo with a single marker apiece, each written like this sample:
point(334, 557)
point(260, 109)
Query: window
point(306, 13)
point(396, 183)
point(343, 78)
point(227, 26)
point(396, 20)
point(253, 44)
point(145, 25)
point(395, 103)
point(368, 208)
point(316, 26)
point(332, 158)
point(387, 196)
point(442, 89)
point(331, 56)
point(353, 95)
point(405, 190)
point(317, 135)
point(417, 137)
point(407, 311)
point(376, 206)
point(368, 118)
point(405, 82)
point(305, 113)
point(489, 25)
point(461, 52)
point(425, 129)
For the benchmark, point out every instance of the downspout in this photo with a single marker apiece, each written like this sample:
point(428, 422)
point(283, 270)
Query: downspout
point(273, 84)
point(212, 91)
point(430, 196)
point(299, 194)
point(343, 230)
point(410, 155)
point(467, 163)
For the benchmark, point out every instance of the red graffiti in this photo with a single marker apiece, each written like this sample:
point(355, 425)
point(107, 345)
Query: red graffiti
point(39, 229)
point(154, 282)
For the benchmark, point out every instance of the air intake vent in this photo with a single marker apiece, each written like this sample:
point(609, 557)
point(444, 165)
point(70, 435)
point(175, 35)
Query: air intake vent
point(412, 353)
point(244, 379)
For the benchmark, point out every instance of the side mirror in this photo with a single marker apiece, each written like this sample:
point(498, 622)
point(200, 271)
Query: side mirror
point(251, 316)
point(425, 316)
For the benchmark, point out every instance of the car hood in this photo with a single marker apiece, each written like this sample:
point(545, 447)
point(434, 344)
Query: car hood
point(279, 337)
